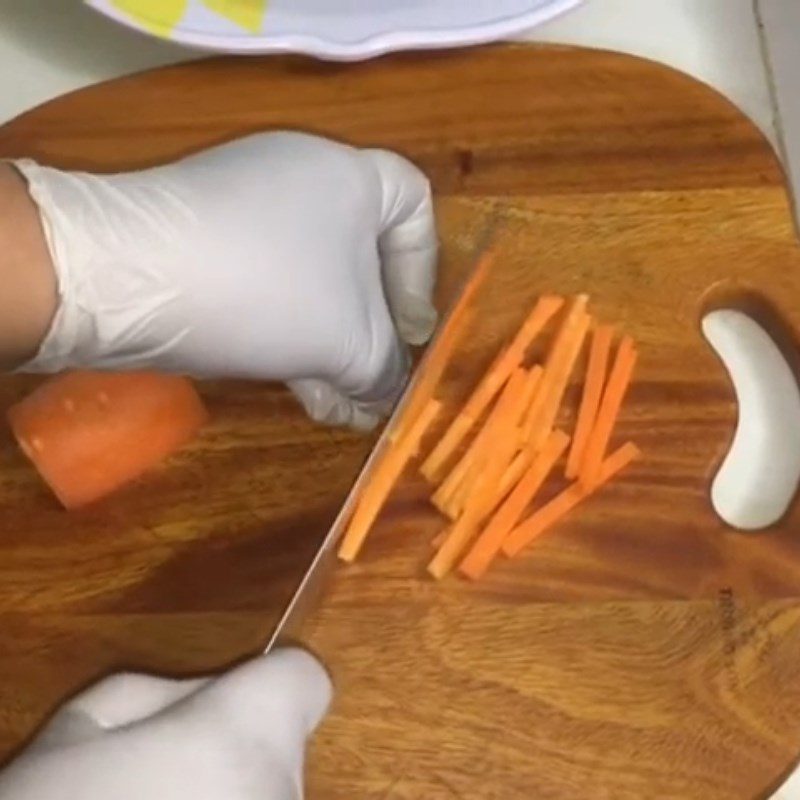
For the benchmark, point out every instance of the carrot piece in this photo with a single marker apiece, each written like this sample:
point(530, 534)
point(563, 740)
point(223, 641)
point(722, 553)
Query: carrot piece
point(382, 481)
point(515, 470)
point(592, 392)
point(551, 513)
point(490, 385)
point(613, 395)
point(89, 433)
point(431, 369)
point(458, 500)
point(506, 517)
point(483, 498)
point(441, 349)
point(558, 368)
point(512, 392)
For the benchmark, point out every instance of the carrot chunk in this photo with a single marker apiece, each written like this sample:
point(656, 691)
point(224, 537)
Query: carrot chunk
point(90, 433)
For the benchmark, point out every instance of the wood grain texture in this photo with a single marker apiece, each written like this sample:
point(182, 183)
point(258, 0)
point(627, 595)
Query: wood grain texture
point(642, 650)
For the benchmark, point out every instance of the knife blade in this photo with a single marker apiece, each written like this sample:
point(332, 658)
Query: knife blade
point(313, 581)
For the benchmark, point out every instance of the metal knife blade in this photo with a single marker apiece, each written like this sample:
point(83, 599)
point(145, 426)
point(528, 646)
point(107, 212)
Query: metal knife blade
point(312, 582)
point(310, 587)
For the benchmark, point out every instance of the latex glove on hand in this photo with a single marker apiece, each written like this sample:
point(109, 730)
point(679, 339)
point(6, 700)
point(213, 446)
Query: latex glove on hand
point(279, 256)
point(238, 737)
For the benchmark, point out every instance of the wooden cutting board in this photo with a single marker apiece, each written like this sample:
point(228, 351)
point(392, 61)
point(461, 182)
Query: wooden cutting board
point(642, 649)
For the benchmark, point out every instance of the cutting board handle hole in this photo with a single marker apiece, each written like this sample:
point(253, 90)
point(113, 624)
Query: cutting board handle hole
point(750, 301)
point(758, 479)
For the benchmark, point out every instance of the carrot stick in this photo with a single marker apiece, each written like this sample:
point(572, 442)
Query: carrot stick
point(607, 414)
point(491, 383)
point(479, 506)
point(558, 368)
point(90, 433)
point(551, 513)
point(511, 394)
point(444, 345)
point(506, 517)
point(431, 369)
point(483, 498)
point(457, 501)
point(383, 480)
point(592, 392)
point(515, 470)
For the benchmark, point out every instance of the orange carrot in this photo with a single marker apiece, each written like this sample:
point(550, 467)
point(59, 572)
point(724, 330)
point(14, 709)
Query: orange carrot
point(515, 470)
point(607, 414)
point(512, 393)
point(382, 481)
point(457, 501)
point(479, 506)
point(558, 368)
point(592, 392)
point(551, 513)
point(89, 433)
point(483, 498)
point(444, 345)
point(506, 517)
point(431, 369)
point(491, 384)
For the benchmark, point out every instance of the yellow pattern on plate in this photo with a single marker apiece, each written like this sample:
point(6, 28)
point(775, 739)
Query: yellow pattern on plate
point(247, 14)
point(161, 16)
point(158, 16)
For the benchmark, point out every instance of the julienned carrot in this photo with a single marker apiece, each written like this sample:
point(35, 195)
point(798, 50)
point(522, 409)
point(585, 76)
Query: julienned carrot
point(431, 370)
point(590, 400)
point(439, 539)
point(613, 395)
point(444, 345)
point(382, 481)
point(89, 433)
point(562, 504)
point(558, 368)
point(506, 517)
point(515, 470)
point(491, 383)
point(483, 498)
point(479, 506)
point(510, 395)
point(557, 386)
point(457, 501)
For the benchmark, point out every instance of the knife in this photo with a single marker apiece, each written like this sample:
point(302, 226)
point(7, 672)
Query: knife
point(313, 581)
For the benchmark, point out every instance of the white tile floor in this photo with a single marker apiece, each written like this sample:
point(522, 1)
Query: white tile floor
point(781, 26)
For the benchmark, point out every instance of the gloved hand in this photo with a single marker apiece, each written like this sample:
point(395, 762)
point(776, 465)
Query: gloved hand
point(241, 736)
point(279, 256)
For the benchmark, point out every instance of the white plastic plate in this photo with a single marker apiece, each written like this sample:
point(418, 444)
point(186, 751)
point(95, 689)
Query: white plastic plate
point(331, 29)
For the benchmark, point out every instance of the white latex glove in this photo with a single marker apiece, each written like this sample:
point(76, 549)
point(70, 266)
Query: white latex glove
point(279, 256)
point(134, 737)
